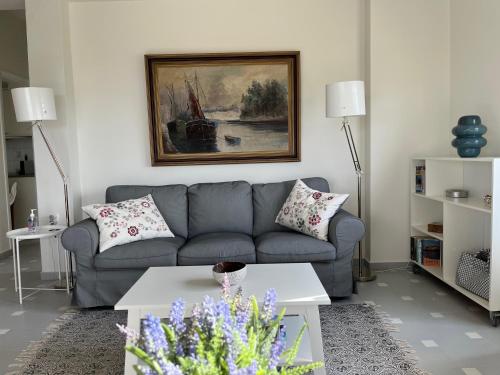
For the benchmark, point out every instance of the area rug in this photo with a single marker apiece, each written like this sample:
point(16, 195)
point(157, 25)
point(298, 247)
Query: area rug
point(357, 341)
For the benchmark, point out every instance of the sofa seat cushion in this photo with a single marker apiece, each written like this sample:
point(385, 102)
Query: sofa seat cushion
point(211, 248)
point(156, 252)
point(290, 247)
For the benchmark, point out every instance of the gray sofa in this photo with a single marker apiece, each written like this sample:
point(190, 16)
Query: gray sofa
point(231, 221)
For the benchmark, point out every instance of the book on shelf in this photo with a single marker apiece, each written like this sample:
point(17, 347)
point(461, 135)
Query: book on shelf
point(420, 179)
point(425, 250)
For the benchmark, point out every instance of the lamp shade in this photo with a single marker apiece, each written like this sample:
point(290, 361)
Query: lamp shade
point(345, 99)
point(34, 104)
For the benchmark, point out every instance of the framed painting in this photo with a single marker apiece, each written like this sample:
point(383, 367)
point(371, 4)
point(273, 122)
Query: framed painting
point(223, 108)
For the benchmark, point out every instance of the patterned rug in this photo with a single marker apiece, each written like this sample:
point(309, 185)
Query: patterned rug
point(356, 339)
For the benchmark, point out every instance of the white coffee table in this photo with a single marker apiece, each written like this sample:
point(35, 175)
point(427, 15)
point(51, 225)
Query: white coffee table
point(297, 286)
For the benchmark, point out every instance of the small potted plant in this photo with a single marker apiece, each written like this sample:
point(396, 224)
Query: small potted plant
point(231, 336)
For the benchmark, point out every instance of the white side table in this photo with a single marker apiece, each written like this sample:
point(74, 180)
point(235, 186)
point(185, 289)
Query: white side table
point(43, 232)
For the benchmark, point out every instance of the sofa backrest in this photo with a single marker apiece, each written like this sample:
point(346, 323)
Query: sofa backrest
point(171, 201)
point(220, 207)
point(269, 198)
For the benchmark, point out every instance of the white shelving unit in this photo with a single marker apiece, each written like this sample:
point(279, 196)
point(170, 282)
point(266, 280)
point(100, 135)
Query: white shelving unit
point(468, 224)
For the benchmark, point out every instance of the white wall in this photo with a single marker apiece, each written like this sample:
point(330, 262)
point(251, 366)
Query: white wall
point(110, 87)
point(50, 66)
point(95, 55)
point(475, 66)
point(409, 110)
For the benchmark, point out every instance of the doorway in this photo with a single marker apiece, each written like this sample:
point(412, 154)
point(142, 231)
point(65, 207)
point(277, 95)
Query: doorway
point(17, 175)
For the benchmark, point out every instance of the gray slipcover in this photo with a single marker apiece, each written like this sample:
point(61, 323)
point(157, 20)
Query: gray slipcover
point(221, 221)
point(291, 247)
point(211, 248)
point(220, 207)
point(141, 254)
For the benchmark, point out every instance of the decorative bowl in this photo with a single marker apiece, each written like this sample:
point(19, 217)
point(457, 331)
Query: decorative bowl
point(236, 272)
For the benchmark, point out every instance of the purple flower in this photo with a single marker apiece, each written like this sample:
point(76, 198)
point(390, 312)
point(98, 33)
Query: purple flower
point(268, 308)
point(208, 313)
point(170, 369)
point(223, 314)
point(131, 335)
point(153, 335)
point(242, 316)
point(226, 288)
point(177, 317)
point(277, 348)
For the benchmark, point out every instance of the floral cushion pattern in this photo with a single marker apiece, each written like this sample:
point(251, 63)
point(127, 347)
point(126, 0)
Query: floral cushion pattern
point(127, 221)
point(309, 211)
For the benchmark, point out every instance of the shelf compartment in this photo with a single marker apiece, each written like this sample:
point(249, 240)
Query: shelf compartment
point(423, 229)
point(473, 203)
point(435, 271)
point(438, 272)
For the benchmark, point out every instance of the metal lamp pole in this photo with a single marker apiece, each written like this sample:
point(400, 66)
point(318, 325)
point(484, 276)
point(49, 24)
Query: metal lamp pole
point(64, 178)
point(364, 273)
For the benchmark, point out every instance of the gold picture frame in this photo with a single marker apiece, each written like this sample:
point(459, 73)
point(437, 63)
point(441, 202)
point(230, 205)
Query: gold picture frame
point(221, 108)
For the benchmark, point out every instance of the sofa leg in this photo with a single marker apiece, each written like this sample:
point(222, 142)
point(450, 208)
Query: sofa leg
point(354, 285)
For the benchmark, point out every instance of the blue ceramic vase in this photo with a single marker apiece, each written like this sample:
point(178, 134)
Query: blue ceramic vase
point(469, 140)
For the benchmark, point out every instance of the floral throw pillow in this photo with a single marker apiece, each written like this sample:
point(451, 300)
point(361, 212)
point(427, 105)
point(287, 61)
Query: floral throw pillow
point(127, 221)
point(309, 211)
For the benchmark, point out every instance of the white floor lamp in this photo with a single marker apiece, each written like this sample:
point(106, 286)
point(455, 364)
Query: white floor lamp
point(346, 99)
point(36, 104)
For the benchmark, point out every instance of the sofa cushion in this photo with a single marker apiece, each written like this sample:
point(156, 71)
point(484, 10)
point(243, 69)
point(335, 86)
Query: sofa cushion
point(220, 207)
point(211, 248)
point(171, 201)
point(291, 247)
point(269, 198)
point(141, 254)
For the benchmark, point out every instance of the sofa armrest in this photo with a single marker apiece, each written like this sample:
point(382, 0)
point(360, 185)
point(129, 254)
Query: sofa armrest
point(82, 239)
point(344, 232)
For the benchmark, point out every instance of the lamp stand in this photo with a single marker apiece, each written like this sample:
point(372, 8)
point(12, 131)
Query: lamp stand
point(364, 272)
point(64, 178)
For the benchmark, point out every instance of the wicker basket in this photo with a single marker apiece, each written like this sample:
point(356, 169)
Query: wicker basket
point(473, 273)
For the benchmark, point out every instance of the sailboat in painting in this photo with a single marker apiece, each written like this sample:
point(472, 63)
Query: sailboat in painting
point(199, 127)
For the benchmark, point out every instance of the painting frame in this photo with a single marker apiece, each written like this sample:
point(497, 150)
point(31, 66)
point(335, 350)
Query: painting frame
point(161, 158)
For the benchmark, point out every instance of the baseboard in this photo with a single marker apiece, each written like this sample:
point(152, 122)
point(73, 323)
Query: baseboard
point(381, 266)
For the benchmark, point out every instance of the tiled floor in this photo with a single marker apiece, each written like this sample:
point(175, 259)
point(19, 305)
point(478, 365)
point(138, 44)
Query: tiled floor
point(20, 324)
point(450, 334)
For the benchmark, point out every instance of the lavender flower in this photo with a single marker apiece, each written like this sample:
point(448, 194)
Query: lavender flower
point(215, 341)
point(131, 335)
point(208, 313)
point(223, 313)
point(171, 369)
point(268, 308)
point(242, 317)
point(153, 335)
point(226, 288)
point(277, 348)
point(177, 317)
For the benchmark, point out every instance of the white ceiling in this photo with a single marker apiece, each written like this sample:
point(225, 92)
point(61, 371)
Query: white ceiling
point(11, 4)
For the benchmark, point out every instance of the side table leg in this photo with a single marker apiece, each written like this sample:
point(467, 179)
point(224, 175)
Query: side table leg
point(14, 263)
point(133, 322)
point(18, 263)
point(314, 327)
